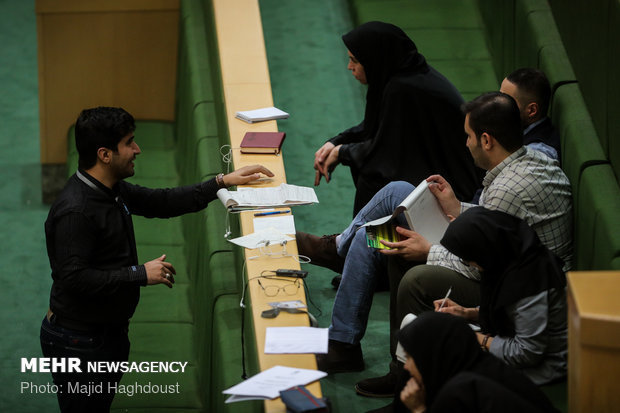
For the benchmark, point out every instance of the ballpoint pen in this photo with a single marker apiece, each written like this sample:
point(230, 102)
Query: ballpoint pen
point(445, 298)
point(262, 214)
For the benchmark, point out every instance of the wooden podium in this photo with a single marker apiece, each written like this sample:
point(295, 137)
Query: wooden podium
point(594, 341)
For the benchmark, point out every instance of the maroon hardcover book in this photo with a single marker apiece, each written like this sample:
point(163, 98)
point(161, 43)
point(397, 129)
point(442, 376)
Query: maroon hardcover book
point(262, 142)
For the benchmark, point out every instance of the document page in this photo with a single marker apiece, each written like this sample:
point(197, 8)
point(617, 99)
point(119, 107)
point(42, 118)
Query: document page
point(259, 238)
point(283, 195)
point(284, 224)
point(267, 384)
point(296, 340)
point(424, 214)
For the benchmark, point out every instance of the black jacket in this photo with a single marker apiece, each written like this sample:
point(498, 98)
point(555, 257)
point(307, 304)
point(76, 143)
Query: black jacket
point(413, 124)
point(92, 248)
point(544, 132)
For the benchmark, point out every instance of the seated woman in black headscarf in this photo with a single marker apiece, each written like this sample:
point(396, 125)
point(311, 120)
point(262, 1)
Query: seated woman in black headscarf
point(522, 311)
point(451, 373)
point(412, 127)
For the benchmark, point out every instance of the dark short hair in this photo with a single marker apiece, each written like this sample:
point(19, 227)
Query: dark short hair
point(100, 127)
point(533, 83)
point(497, 114)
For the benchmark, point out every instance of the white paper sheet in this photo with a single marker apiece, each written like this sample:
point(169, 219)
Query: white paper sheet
point(296, 340)
point(267, 384)
point(259, 239)
point(282, 223)
point(256, 198)
point(262, 114)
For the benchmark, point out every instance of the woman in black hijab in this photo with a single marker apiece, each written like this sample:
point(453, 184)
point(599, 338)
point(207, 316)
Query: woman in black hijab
point(451, 373)
point(522, 311)
point(412, 126)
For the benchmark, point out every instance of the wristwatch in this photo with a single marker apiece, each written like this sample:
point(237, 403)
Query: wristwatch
point(219, 179)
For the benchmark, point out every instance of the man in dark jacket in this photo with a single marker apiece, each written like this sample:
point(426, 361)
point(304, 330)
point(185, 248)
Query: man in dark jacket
point(92, 252)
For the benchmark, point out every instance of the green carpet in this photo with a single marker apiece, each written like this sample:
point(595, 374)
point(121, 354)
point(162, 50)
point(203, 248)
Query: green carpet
point(25, 278)
point(310, 80)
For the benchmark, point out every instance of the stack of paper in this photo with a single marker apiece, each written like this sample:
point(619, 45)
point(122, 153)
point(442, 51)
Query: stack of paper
point(267, 384)
point(259, 115)
point(257, 198)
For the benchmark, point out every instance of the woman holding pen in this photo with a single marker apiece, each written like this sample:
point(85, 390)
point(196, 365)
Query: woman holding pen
point(522, 316)
point(522, 313)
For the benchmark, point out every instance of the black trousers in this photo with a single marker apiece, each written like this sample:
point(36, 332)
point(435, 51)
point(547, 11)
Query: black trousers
point(86, 391)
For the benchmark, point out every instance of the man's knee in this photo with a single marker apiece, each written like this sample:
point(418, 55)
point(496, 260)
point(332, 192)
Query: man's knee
point(403, 187)
point(423, 284)
point(413, 295)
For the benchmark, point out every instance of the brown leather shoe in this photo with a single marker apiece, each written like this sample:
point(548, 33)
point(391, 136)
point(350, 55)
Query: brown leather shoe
point(320, 250)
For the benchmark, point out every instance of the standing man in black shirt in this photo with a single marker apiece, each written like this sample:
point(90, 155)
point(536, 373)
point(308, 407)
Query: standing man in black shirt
point(92, 251)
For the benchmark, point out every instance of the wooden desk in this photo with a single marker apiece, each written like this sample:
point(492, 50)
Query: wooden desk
point(246, 85)
point(593, 341)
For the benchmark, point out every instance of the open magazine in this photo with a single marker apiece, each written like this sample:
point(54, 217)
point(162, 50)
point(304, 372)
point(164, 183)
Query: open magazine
point(423, 213)
point(258, 198)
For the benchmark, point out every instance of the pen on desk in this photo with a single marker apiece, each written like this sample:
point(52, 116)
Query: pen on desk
point(445, 298)
point(262, 214)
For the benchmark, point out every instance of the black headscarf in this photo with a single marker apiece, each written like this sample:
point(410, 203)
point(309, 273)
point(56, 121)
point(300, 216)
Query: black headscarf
point(413, 125)
point(441, 345)
point(383, 50)
point(515, 263)
point(444, 346)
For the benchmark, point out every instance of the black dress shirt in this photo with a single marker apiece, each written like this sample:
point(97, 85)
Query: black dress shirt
point(92, 249)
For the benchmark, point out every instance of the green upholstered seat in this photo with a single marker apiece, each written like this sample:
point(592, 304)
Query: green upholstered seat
point(498, 19)
point(418, 13)
point(613, 95)
point(451, 37)
point(156, 163)
point(209, 161)
point(167, 305)
point(554, 61)
point(580, 145)
point(223, 275)
point(155, 135)
point(203, 128)
point(470, 77)
point(533, 31)
point(158, 231)
point(226, 355)
point(162, 341)
point(216, 223)
point(586, 29)
point(597, 231)
point(450, 43)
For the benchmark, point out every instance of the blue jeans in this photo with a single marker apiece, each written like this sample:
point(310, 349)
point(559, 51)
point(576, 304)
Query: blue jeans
point(107, 344)
point(363, 265)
